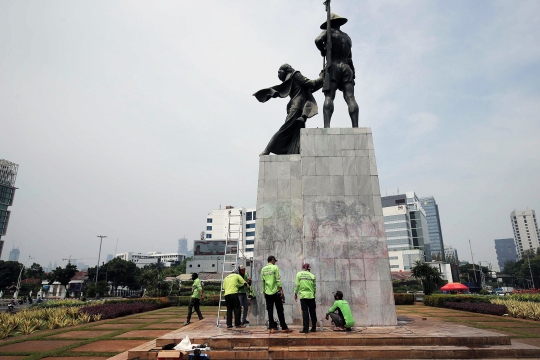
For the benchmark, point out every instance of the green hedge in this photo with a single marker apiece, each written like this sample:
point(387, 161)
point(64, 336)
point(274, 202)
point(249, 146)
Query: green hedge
point(211, 300)
point(160, 302)
point(439, 300)
point(404, 299)
point(522, 297)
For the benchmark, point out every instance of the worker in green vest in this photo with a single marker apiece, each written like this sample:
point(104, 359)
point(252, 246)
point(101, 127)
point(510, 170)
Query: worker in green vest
point(306, 285)
point(340, 313)
point(273, 294)
point(231, 284)
point(196, 298)
point(243, 293)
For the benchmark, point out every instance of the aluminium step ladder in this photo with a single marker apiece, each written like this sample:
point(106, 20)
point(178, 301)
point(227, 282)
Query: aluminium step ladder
point(234, 251)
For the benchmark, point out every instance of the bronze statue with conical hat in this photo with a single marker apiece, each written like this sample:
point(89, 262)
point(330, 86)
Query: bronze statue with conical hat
point(336, 46)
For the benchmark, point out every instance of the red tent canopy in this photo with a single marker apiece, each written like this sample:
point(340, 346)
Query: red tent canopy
point(454, 287)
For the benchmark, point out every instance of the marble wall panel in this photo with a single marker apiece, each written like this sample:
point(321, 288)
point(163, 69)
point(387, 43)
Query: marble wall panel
point(347, 142)
point(308, 166)
point(261, 170)
point(284, 171)
point(284, 188)
point(296, 170)
point(334, 145)
point(270, 188)
point(348, 165)
point(362, 165)
point(350, 185)
point(364, 185)
point(296, 188)
point(337, 185)
point(356, 269)
point(270, 170)
point(307, 144)
point(309, 185)
point(376, 190)
point(321, 145)
point(370, 142)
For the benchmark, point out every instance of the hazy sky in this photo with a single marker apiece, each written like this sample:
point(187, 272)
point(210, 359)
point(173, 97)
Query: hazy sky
point(134, 119)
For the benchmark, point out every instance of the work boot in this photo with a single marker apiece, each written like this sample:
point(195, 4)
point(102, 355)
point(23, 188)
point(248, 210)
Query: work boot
point(186, 323)
point(286, 331)
point(313, 330)
point(303, 331)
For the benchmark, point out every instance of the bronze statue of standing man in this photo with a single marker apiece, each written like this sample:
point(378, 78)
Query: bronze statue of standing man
point(336, 45)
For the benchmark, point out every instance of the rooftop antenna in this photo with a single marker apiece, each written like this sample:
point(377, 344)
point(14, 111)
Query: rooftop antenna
point(116, 247)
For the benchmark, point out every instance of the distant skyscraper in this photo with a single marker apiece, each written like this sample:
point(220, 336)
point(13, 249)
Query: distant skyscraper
point(506, 251)
point(525, 231)
point(450, 255)
point(182, 246)
point(109, 258)
point(8, 175)
point(14, 254)
point(434, 227)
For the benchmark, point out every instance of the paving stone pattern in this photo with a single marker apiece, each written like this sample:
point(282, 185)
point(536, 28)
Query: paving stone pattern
point(323, 207)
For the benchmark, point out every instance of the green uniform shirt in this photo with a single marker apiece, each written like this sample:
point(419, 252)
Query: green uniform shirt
point(231, 283)
point(345, 310)
point(271, 279)
point(243, 289)
point(196, 287)
point(305, 285)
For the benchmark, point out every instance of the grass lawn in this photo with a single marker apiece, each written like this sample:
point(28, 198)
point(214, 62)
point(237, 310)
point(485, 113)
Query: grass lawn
point(98, 340)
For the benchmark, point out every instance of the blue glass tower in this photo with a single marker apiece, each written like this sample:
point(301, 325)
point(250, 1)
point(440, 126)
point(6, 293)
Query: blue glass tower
point(434, 227)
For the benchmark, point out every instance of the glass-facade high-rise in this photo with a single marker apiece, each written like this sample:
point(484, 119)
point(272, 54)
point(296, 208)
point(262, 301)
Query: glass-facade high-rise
point(434, 227)
point(506, 251)
point(8, 175)
point(14, 254)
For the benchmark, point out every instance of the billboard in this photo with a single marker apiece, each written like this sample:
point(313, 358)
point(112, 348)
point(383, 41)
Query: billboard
point(213, 247)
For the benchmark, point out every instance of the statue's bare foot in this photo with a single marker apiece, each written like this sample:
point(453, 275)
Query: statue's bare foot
point(265, 152)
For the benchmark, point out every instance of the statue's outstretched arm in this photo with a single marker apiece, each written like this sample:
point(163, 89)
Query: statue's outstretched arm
point(313, 85)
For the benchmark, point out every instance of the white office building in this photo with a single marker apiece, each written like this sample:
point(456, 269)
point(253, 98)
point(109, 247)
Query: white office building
point(154, 257)
point(403, 260)
point(233, 223)
point(525, 231)
point(406, 228)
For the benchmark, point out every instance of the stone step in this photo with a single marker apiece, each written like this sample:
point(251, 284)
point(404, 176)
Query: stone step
point(376, 352)
point(333, 339)
point(142, 350)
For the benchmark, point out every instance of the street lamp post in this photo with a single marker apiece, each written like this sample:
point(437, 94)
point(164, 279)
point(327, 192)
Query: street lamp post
point(19, 279)
point(99, 254)
point(532, 279)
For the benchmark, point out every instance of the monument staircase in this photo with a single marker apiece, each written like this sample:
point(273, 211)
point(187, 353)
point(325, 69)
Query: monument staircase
point(411, 339)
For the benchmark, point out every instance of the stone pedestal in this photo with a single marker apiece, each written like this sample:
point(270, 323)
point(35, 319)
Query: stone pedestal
point(323, 207)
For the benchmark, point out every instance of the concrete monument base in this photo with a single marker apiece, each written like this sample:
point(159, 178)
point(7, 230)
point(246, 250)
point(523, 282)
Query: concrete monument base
point(323, 207)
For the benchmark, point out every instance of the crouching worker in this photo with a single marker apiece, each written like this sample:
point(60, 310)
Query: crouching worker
point(340, 313)
point(231, 284)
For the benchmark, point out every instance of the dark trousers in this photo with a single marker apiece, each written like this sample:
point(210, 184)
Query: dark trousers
point(232, 303)
point(308, 310)
point(271, 301)
point(243, 299)
point(337, 318)
point(194, 303)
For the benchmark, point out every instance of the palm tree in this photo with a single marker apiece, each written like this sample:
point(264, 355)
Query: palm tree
point(430, 276)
